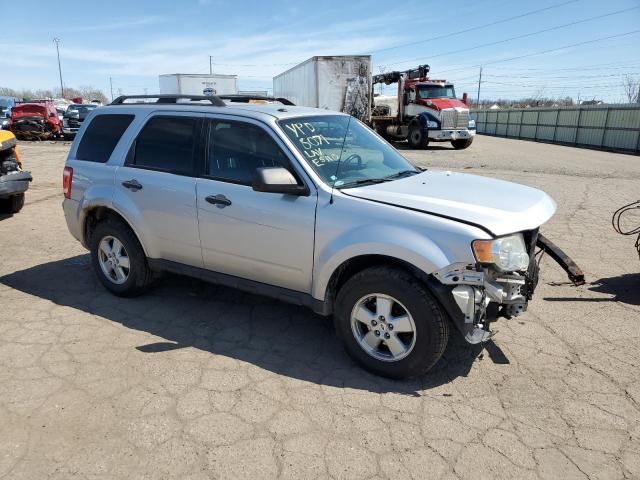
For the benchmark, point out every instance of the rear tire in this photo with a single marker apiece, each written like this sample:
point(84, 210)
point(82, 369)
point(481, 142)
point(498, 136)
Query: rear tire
point(462, 143)
point(423, 332)
point(114, 237)
point(13, 204)
point(417, 137)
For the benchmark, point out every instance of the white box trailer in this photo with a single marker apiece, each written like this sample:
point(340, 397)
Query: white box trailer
point(196, 84)
point(341, 83)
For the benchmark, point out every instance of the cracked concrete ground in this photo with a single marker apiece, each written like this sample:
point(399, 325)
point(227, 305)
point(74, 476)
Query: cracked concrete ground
point(194, 381)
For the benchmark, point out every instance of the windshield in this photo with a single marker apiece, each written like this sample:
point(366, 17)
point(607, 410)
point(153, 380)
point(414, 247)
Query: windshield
point(436, 91)
point(364, 159)
point(80, 108)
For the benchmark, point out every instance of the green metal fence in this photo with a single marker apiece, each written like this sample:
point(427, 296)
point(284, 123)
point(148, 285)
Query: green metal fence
point(607, 127)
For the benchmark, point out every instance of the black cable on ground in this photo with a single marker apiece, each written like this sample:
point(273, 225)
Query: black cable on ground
point(615, 222)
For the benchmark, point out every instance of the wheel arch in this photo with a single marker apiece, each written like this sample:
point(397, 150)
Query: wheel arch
point(99, 213)
point(357, 264)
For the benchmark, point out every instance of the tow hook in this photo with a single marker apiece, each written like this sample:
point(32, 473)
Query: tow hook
point(568, 265)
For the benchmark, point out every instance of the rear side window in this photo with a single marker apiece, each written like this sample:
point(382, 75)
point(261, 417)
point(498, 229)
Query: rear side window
point(101, 137)
point(166, 144)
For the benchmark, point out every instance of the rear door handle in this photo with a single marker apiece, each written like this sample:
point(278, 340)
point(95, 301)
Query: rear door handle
point(132, 184)
point(218, 200)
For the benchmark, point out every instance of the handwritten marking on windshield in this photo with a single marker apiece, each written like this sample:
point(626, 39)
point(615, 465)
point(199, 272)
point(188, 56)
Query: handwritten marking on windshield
point(310, 141)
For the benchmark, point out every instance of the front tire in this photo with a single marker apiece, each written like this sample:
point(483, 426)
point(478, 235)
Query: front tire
point(13, 204)
point(390, 323)
point(417, 137)
point(118, 259)
point(462, 143)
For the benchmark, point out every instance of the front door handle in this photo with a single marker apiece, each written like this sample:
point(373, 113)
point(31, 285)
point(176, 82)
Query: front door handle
point(132, 184)
point(218, 200)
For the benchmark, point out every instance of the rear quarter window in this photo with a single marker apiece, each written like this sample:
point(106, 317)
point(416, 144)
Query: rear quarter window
point(101, 137)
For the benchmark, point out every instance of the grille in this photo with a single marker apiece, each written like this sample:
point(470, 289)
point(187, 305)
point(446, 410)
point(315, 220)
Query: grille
point(452, 119)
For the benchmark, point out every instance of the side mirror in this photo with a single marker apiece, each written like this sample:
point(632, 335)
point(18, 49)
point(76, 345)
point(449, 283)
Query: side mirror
point(277, 180)
point(405, 98)
point(465, 98)
point(53, 114)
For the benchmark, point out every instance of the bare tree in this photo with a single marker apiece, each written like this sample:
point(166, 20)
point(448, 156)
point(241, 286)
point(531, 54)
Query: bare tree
point(632, 89)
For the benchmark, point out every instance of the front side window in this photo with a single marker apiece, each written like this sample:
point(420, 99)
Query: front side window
point(436, 91)
point(166, 144)
point(236, 150)
point(101, 137)
point(344, 152)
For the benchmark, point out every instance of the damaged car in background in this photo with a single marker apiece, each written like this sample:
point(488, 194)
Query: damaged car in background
point(35, 120)
point(13, 180)
point(73, 118)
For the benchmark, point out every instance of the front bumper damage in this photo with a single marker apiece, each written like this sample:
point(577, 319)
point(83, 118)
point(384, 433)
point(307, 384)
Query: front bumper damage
point(480, 295)
point(14, 183)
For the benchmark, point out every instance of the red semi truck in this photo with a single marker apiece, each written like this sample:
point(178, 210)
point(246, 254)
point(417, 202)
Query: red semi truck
point(423, 110)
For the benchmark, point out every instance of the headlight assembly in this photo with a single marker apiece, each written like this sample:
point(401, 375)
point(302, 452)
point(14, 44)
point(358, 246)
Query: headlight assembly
point(432, 124)
point(508, 254)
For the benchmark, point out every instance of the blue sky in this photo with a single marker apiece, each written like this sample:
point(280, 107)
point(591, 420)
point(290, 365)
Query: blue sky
point(133, 42)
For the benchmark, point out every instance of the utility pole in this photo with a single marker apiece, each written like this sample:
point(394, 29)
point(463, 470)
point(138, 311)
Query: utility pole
point(210, 65)
point(57, 42)
point(479, 83)
point(111, 87)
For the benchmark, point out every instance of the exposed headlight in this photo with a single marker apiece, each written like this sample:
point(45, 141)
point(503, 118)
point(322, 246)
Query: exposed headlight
point(4, 122)
point(506, 253)
point(472, 123)
point(432, 124)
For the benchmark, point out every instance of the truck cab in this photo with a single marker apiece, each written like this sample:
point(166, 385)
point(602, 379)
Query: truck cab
point(424, 110)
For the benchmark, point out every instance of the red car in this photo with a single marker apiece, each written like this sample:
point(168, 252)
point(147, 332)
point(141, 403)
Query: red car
point(37, 119)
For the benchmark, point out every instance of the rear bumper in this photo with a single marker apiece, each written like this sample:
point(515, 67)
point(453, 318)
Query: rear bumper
point(448, 135)
point(71, 210)
point(14, 183)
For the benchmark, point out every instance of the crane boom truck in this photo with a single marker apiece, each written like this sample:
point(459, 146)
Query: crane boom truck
point(424, 110)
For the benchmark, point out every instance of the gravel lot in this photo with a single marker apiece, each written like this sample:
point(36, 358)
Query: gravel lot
point(194, 381)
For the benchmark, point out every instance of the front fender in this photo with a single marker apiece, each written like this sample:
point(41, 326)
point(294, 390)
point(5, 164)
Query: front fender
point(425, 117)
point(396, 242)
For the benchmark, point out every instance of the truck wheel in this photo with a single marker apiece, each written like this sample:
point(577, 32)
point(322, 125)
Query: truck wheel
point(390, 324)
point(462, 143)
point(119, 260)
point(13, 204)
point(417, 137)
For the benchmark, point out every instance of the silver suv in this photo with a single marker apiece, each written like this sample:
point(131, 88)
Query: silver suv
point(307, 206)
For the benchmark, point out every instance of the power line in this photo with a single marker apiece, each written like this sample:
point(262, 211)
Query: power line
point(542, 52)
point(564, 77)
point(498, 42)
point(477, 27)
point(431, 39)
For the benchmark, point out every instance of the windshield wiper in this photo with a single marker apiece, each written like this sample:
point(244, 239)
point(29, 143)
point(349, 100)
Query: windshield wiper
point(373, 181)
point(364, 181)
point(401, 174)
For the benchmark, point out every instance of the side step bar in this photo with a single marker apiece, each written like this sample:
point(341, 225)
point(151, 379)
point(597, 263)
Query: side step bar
point(573, 271)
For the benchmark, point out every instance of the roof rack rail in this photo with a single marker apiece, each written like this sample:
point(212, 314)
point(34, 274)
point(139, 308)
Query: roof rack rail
point(167, 98)
point(241, 98)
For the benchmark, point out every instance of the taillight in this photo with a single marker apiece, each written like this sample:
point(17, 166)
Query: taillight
point(67, 179)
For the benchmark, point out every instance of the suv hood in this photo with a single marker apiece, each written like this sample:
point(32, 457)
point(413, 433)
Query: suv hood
point(494, 205)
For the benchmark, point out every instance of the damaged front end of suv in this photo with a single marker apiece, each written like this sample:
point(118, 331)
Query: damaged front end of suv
point(501, 282)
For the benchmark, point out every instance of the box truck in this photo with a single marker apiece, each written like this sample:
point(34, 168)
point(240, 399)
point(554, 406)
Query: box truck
point(341, 83)
point(196, 84)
